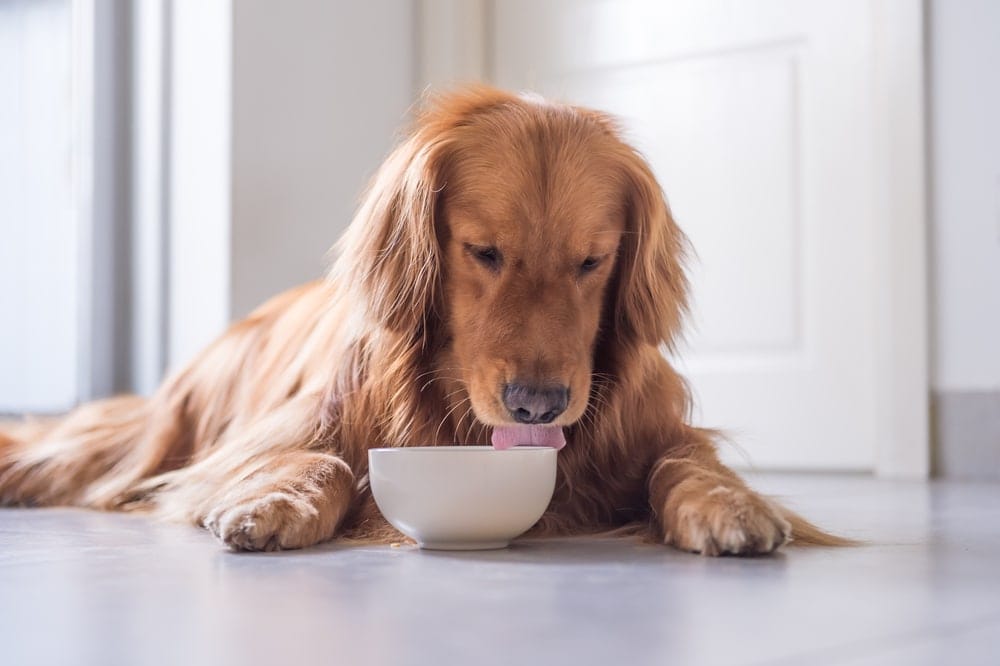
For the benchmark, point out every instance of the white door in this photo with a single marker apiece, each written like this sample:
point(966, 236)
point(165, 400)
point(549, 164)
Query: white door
point(759, 119)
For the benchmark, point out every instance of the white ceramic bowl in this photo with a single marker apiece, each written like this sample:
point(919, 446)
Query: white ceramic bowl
point(462, 497)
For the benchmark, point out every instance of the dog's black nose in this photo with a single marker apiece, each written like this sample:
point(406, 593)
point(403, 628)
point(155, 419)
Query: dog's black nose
point(535, 404)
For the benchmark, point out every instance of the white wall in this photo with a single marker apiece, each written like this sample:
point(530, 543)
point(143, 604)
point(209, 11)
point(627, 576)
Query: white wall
point(965, 181)
point(281, 112)
point(319, 92)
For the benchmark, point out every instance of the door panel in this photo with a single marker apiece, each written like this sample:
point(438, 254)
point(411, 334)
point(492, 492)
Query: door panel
point(39, 242)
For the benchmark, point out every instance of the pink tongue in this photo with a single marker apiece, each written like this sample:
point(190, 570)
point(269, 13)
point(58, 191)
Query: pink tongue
point(506, 437)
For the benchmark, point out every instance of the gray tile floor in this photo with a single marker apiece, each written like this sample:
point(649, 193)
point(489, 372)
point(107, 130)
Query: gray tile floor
point(88, 588)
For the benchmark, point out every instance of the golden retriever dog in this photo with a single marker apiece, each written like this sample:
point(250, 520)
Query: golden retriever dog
point(511, 277)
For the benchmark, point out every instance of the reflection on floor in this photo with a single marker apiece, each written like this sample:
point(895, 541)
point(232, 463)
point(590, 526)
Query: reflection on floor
point(90, 588)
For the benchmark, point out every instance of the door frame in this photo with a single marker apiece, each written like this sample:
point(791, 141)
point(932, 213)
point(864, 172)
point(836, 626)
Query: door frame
point(100, 194)
point(455, 46)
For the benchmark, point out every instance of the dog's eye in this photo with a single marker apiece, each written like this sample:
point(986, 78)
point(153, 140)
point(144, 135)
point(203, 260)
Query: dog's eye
point(488, 256)
point(589, 264)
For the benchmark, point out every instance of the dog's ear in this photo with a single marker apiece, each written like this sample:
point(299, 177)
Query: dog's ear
point(651, 290)
point(390, 255)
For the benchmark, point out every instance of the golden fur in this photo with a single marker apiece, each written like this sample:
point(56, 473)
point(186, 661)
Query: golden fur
point(505, 238)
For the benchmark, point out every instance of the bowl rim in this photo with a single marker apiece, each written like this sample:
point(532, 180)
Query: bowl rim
point(471, 448)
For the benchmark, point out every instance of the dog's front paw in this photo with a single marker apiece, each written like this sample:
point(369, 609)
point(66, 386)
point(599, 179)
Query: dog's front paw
point(276, 521)
point(717, 519)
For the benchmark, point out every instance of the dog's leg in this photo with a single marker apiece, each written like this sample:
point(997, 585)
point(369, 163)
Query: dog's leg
point(269, 484)
point(702, 506)
point(295, 500)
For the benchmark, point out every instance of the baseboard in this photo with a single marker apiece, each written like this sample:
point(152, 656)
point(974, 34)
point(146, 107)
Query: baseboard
point(966, 431)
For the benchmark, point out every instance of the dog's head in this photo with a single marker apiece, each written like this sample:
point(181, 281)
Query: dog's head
point(518, 237)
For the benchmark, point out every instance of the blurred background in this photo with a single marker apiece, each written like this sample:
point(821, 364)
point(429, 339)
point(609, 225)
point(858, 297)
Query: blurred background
point(165, 166)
